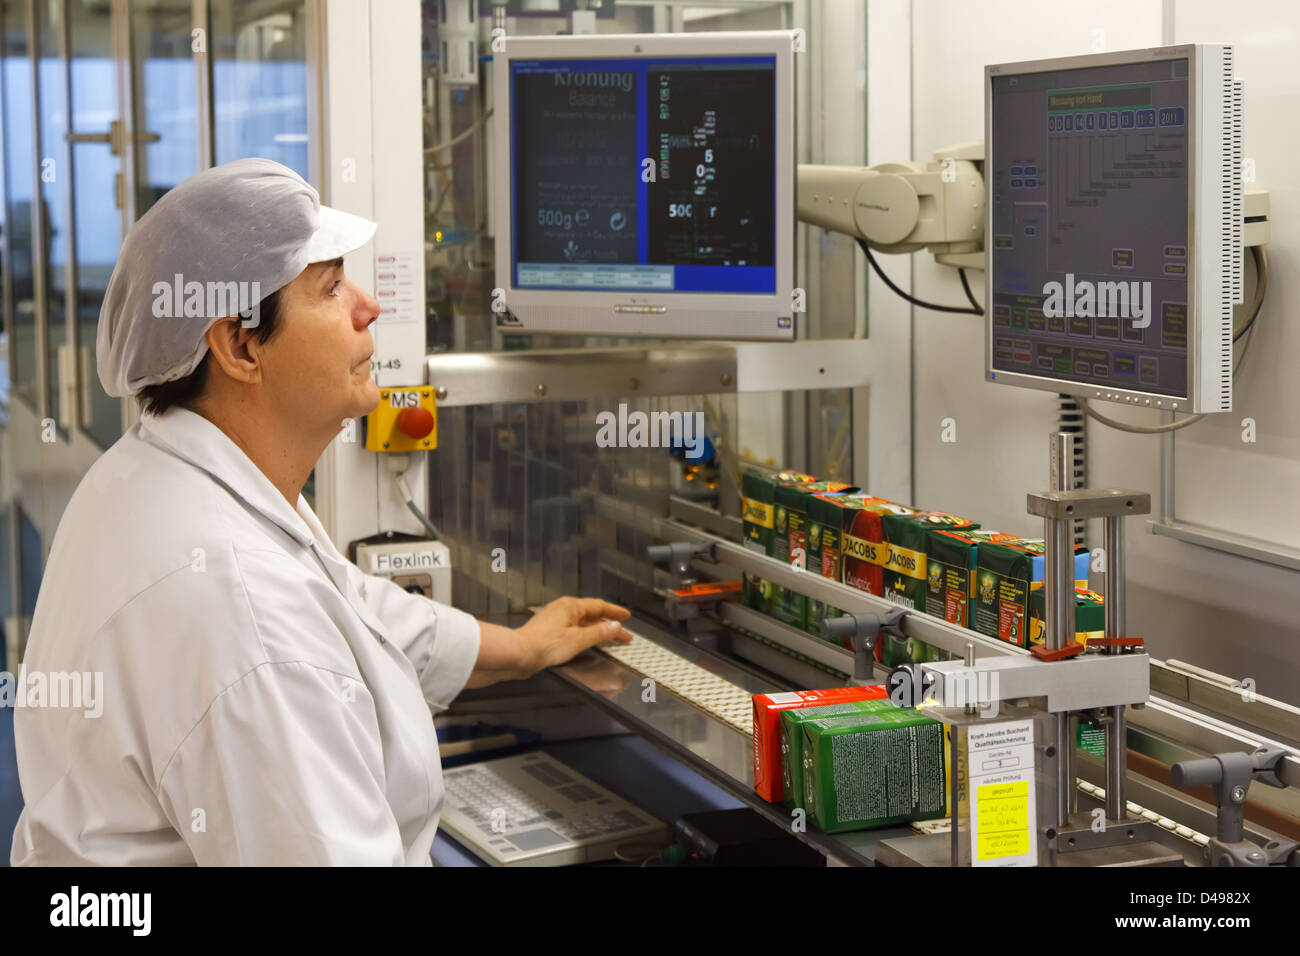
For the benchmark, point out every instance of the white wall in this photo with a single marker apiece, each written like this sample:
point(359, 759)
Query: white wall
point(890, 319)
point(1223, 481)
point(1230, 614)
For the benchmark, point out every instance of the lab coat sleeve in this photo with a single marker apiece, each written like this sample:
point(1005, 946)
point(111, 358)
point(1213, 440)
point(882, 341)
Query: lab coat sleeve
point(285, 767)
point(441, 642)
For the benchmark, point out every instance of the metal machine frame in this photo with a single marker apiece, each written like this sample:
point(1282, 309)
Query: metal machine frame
point(751, 649)
point(1146, 699)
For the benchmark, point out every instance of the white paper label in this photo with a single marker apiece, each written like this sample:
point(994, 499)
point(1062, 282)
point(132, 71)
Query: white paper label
point(1000, 760)
point(396, 275)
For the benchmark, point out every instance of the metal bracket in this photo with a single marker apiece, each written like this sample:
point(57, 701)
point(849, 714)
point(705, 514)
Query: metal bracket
point(864, 629)
point(677, 557)
point(1082, 682)
point(1231, 774)
point(1088, 503)
point(1117, 833)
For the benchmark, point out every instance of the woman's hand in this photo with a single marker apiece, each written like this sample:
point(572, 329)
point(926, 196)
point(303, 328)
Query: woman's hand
point(557, 633)
point(568, 626)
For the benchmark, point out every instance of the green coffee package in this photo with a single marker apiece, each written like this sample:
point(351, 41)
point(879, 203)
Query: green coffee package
point(872, 769)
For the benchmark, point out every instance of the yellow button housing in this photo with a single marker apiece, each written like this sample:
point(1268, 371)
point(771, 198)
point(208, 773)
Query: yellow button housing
point(382, 431)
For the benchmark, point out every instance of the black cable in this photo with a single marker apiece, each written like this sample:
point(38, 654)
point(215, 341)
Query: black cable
point(1246, 328)
point(1261, 288)
point(866, 250)
point(965, 284)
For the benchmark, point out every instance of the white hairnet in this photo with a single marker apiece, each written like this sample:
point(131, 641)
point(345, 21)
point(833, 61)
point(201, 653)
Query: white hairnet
point(212, 247)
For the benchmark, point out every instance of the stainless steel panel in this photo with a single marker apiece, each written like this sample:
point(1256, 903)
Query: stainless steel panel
point(577, 374)
point(1226, 541)
point(1223, 696)
point(800, 642)
point(560, 375)
point(1202, 734)
point(1077, 683)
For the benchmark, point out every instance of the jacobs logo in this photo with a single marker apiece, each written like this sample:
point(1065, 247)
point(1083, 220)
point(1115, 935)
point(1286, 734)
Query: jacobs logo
point(859, 548)
point(899, 560)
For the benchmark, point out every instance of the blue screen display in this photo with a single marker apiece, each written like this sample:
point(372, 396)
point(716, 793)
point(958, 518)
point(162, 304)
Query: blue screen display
point(644, 175)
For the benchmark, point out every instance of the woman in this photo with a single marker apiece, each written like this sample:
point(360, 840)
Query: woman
point(263, 701)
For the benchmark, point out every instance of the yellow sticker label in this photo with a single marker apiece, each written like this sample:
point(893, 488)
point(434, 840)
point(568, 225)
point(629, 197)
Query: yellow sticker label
point(863, 550)
point(905, 561)
point(1003, 819)
point(759, 513)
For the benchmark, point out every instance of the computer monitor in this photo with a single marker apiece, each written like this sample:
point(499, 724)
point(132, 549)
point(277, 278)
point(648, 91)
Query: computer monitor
point(645, 185)
point(1113, 239)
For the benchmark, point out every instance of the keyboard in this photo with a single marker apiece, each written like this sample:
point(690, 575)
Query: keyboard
point(532, 810)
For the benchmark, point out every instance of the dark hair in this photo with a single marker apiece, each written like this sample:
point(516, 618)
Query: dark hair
point(185, 392)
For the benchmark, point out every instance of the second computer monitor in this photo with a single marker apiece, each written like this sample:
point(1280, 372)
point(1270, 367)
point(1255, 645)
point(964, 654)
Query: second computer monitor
point(1113, 240)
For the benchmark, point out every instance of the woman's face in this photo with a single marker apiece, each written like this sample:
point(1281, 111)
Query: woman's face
point(317, 365)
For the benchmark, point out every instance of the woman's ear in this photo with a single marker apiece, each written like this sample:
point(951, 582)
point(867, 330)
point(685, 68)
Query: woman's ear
point(234, 349)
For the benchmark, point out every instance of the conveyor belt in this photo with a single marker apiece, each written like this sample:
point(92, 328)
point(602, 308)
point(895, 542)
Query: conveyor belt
point(729, 705)
point(718, 746)
point(718, 697)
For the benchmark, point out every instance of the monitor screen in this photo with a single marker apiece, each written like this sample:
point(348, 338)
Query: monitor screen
point(653, 174)
point(1089, 213)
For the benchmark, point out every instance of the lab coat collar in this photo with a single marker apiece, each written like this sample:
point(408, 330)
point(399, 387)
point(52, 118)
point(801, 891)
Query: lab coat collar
point(192, 437)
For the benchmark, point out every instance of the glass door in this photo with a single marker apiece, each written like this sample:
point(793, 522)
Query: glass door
point(96, 150)
point(259, 81)
point(53, 228)
point(19, 153)
point(164, 71)
point(105, 105)
point(133, 135)
point(100, 118)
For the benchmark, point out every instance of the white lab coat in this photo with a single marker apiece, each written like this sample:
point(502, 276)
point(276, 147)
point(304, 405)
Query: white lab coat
point(264, 702)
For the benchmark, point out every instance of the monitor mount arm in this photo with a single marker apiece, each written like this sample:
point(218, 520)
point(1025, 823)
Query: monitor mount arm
point(904, 207)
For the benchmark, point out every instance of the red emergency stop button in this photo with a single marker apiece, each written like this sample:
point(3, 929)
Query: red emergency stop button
point(415, 422)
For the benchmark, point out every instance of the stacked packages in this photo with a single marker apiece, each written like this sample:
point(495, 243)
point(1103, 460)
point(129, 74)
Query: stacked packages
point(929, 561)
point(848, 757)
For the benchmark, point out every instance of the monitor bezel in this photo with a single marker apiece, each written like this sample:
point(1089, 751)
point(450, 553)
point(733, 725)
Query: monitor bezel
point(725, 315)
point(1129, 396)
